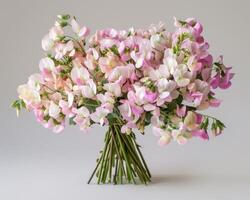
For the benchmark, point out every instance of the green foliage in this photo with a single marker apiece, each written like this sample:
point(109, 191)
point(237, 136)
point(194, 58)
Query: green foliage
point(183, 23)
point(63, 20)
point(18, 105)
point(113, 118)
point(114, 49)
point(71, 121)
point(90, 104)
point(147, 120)
point(46, 117)
point(205, 123)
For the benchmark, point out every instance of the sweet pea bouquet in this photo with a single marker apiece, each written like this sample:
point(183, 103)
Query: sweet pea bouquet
point(127, 80)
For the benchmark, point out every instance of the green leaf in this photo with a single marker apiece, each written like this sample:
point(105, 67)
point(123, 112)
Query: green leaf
point(18, 105)
point(205, 123)
point(46, 117)
point(114, 49)
point(88, 103)
point(71, 121)
point(182, 22)
point(112, 118)
point(220, 124)
point(147, 120)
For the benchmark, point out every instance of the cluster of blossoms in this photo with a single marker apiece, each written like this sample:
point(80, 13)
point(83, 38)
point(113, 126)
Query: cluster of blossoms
point(132, 78)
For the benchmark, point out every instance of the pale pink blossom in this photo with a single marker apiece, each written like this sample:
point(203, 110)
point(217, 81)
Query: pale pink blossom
point(47, 43)
point(54, 110)
point(99, 116)
point(79, 75)
point(133, 78)
point(81, 32)
point(55, 33)
point(47, 68)
point(114, 88)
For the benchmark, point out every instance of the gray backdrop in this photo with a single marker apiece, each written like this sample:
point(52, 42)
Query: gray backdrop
point(38, 164)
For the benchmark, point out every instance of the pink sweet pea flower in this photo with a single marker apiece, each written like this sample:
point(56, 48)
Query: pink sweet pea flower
point(137, 110)
point(200, 133)
point(62, 49)
point(66, 106)
point(79, 75)
point(39, 114)
point(56, 32)
point(108, 63)
point(181, 111)
point(127, 127)
point(47, 68)
point(125, 110)
point(214, 102)
point(150, 96)
point(225, 81)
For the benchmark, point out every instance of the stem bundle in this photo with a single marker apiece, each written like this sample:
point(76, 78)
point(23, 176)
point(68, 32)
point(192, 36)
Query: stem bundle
point(121, 160)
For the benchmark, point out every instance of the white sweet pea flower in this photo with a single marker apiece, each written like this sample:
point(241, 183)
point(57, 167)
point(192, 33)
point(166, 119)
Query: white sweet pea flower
point(149, 107)
point(106, 98)
point(140, 92)
point(165, 85)
point(154, 28)
point(180, 75)
point(181, 135)
point(114, 88)
point(34, 81)
point(29, 95)
point(123, 72)
point(29, 92)
point(83, 112)
point(125, 110)
point(99, 115)
point(165, 139)
point(81, 32)
point(143, 54)
point(70, 99)
point(47, 43)
point(166, 90)
point(54, 110)
point(158, 41)
point(164, 136)
point(170, 60)
point(89, 90)
point(161, 72)
point(55, 33)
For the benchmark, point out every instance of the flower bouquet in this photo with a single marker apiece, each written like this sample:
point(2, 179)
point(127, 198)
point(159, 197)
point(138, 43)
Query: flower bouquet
point(126, 80)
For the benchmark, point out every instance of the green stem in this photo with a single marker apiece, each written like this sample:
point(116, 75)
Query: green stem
point(125, 155)
point(122, 153)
